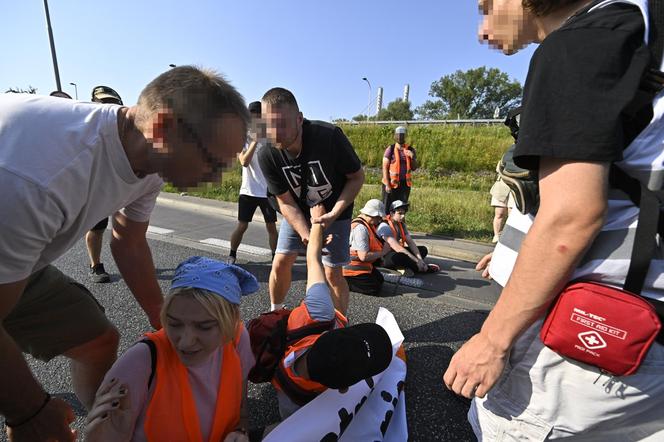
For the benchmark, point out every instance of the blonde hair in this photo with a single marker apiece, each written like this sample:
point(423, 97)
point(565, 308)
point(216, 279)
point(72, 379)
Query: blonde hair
point(226, 313)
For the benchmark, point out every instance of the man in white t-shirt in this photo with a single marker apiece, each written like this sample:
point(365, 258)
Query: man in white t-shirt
point(253, 191)
point(64, 165)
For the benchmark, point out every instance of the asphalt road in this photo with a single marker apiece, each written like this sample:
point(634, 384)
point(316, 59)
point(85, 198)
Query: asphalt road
point(435, 318)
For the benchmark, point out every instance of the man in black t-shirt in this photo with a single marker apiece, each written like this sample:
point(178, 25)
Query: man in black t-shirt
point(577, 119)
point(332, 176)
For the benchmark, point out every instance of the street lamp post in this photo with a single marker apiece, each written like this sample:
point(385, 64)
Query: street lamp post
point(50, 39)
point(75, 89)
point(369, 102)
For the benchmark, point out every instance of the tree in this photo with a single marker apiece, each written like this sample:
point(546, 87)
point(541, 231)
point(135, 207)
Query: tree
point(398, 110)
point(360, 117)
point(17, 90)
point(474, 93)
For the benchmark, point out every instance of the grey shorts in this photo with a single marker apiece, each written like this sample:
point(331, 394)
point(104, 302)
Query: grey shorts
point(335, 254)
point(54, 315)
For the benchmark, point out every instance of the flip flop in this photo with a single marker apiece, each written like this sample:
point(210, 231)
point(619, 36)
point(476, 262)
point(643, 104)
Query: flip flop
point(433, 268)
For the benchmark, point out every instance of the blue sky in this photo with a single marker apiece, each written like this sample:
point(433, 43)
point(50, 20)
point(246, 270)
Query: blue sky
point(319, 50)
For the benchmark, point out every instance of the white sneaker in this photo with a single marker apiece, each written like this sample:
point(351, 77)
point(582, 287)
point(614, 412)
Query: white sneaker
point(230, 260)
point(495, 239)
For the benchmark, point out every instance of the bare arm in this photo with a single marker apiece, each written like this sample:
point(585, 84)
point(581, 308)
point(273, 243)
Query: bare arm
point(245, 156)
point(354, 182)
point(572, 209)
point(398, 248)
point(412, 247)
point(20, 393)
point(131, 253)
point(386, 172)
point(315, 271)
point(293, 214)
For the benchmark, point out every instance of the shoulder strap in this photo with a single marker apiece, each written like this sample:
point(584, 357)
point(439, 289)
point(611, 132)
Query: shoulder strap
point(153, 358)
point(369, 229)
point(656, 31)
point(315, 328)
point(649, 224)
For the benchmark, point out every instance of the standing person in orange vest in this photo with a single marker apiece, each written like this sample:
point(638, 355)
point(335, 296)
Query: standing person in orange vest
point(399, 161)
point(366, 248)
point(187, 381)
point(337, 358)
point(404, 253)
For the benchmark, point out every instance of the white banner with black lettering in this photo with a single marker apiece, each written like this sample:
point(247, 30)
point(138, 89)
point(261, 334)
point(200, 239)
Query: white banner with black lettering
point(371, 410)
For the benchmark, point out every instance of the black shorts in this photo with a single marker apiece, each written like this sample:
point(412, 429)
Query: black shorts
point(247, 206)
point(101, 225)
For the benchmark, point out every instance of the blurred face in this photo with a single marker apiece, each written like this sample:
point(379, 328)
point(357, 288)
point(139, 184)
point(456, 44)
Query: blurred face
point(193, 158)
point(257, 129)
point(284, 124)
point(400, 138)
point(194, 333)
point(505, 25)
point(399, 215)
point(376, 220)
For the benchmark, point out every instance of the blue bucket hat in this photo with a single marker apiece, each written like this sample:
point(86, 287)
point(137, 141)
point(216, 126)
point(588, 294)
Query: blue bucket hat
point(228, 281)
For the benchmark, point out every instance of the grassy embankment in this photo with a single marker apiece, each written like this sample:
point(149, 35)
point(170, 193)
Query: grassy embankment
point(450, 190)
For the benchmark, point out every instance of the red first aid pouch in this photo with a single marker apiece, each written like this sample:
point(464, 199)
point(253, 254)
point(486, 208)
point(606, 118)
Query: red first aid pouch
point(602, 326)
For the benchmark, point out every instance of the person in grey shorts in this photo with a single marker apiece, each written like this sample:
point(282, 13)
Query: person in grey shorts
point(308, 163)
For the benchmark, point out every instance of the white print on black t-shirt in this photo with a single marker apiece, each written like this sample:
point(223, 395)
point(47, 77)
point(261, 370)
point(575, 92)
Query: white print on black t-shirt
point(319, 187)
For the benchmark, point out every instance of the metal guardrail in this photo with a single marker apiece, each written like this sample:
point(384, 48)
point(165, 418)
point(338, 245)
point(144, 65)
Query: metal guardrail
point(423, 122)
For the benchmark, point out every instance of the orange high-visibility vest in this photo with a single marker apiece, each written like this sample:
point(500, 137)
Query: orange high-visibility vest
point(299, 389)
point(400, 233)
point(395, 167)
point(172, 415)
point(357, 266)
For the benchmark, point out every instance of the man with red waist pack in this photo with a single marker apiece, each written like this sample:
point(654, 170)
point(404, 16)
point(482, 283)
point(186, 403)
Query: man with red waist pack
point(583, 110)
point(336, 359)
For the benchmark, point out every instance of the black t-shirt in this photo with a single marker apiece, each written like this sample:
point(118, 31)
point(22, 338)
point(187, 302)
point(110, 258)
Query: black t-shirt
point(330, 157)
point(581, 80)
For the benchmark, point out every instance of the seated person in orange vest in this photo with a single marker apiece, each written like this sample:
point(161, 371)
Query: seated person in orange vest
point(189, 382)
point(336, 359)
point(366, 249)
point(405, 254)
point(399, 161)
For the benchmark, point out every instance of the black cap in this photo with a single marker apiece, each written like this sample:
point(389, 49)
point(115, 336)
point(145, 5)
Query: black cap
point(105, 94)
point(345, 356)
point(255, 107)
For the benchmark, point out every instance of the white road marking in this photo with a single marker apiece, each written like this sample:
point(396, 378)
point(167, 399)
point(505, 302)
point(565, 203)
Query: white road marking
point(253, 250)
point(159, 230)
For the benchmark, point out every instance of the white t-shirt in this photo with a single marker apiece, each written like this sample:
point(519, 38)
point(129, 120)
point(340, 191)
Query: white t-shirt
point(62, 170)
point(253, 181)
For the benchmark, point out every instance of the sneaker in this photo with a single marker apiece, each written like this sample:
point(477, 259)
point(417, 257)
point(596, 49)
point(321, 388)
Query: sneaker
point(231, 260)
point(495, 239)
point(98, 274)
point(408, 273)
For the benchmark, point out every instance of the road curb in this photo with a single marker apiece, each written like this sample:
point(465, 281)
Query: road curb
point(442, 247)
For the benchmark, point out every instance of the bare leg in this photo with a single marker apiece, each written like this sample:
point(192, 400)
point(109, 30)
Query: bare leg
point(280, 277)
point(90, 362)
point(94, 240)
point(339, 286)
point(238, 233)
point(499, 217)
point(272, 235)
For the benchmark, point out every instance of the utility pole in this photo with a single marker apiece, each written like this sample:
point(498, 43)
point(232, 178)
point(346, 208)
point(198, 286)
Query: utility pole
point(50, 39)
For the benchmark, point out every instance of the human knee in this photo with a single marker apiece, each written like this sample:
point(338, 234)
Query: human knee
point(101, 347)
point(335, 276)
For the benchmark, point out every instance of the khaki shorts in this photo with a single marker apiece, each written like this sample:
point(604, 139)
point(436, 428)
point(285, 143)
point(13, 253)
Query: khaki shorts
point(501, 196)
point(54, 315)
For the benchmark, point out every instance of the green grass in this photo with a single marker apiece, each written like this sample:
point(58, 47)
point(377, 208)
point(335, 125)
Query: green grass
point(440, 149)
point(456, 205)
point(450, 190)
